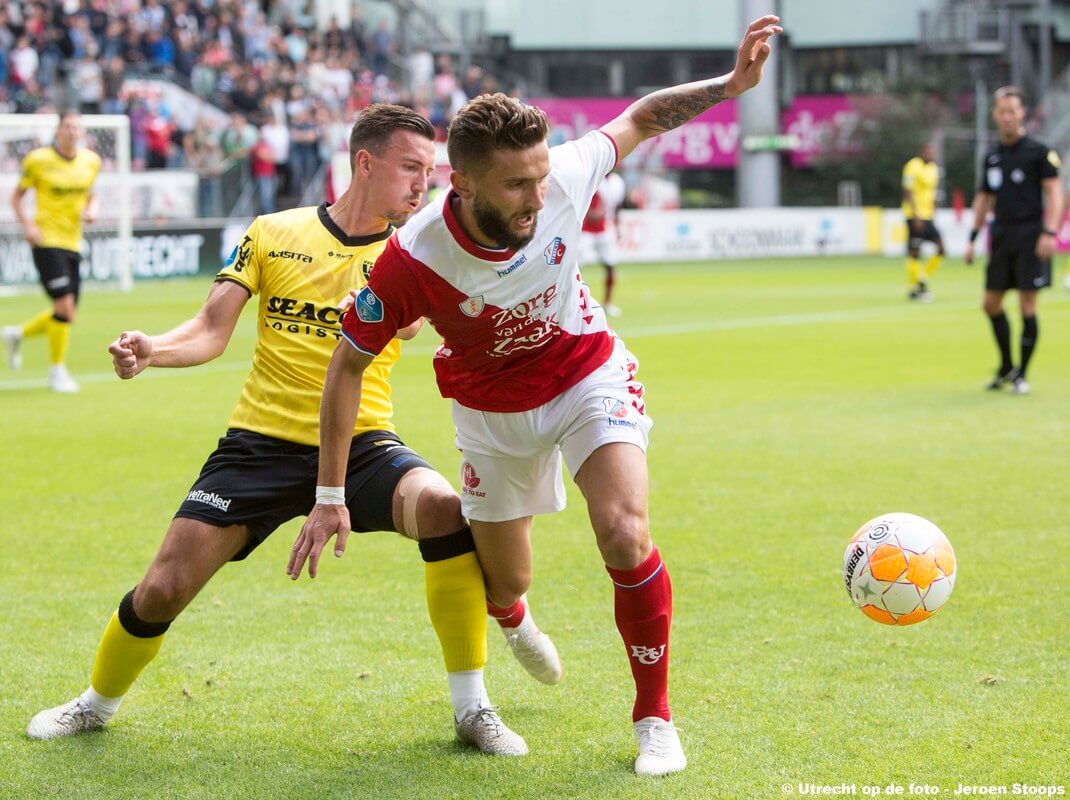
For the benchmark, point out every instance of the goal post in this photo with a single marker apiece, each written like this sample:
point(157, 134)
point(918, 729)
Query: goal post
point(108, 135)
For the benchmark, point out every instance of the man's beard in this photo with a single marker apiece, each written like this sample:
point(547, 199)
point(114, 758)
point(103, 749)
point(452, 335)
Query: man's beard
point(496, 227)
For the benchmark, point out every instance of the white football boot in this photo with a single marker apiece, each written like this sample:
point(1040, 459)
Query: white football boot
point(534, 649)
point(484, 730)
point(660, 751)
point(59, 380)
point(74, 717)
point(12, 336)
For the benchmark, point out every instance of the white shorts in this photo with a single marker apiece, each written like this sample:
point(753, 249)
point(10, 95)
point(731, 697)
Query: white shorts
point(598, 248)
point(511, 463)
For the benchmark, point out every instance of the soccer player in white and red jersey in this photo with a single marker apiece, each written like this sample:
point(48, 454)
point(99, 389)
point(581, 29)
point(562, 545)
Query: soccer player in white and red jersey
point(533, 369)
point(599, 233)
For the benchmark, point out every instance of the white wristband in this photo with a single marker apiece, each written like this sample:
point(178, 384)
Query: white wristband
point(331, 495)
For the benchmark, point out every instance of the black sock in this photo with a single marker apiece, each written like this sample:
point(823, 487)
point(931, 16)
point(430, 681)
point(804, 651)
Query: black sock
point(1001, 328)
point(1029, 342)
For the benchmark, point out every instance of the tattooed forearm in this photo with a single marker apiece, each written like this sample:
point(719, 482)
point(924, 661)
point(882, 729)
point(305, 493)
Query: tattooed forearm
point(670, 108)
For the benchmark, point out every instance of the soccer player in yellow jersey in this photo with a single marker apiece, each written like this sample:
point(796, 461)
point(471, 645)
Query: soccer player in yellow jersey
point(301, 263)
point(62, 177)
point(921, 179)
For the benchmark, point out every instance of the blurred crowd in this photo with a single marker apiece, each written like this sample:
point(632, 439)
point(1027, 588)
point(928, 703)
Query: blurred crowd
point(289, 90)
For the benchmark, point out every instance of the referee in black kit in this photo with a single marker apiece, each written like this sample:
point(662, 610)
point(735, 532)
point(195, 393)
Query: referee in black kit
point(1020, 178)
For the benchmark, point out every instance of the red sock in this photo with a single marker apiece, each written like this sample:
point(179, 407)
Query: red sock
point(507, 617)
point(643, 606)
point(610, 280)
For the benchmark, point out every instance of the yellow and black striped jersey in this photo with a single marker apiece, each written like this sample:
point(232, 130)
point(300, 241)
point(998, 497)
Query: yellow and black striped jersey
point(63, 186)
point(302, 264)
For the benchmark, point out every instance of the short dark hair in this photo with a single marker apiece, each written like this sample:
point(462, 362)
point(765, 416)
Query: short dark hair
point(492, 122)
point(69, 112)
point(1009, 91)
point(379, 121)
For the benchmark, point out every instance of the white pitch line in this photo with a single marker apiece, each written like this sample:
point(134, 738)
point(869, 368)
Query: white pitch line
point(696, 326)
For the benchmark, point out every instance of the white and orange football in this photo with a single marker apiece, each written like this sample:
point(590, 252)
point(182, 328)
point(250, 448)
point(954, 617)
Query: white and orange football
point(899, 569)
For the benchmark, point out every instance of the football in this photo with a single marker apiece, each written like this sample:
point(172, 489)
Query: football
point(899, 569)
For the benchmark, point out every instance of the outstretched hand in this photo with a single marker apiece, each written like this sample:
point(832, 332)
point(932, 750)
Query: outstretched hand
point(753, 52)
point(325, 521)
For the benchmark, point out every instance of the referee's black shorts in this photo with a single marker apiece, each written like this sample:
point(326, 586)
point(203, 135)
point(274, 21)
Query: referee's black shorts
point(928, 233)
point(1013, 262)
point(261, 482)
point(58, 270)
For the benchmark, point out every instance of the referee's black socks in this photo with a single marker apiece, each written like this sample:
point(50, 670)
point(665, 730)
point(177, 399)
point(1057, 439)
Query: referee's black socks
point(1029, 342)
point(1001, 328)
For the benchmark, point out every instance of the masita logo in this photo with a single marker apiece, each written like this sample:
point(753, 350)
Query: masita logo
point(554, 252)
point(290, 255)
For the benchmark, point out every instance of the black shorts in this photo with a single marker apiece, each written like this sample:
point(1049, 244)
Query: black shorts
point(59, 270)
point(1013, 263)
point(261, 482)
point(928, 233)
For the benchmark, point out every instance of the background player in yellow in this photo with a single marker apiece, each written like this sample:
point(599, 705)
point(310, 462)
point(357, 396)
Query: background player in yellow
point(301, 263)
point(62, 177)
point(921, 179)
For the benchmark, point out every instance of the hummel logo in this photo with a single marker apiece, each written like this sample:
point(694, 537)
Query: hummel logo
point(647, 655)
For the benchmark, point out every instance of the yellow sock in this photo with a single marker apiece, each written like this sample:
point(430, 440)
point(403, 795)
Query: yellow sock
point(932, 266)
point(59, 334)
point(120, 659)
point(457, 606)
point(35, 326)
point(913, 271)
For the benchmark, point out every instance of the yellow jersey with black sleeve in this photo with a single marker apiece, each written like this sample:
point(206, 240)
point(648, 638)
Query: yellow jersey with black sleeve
point(63, 186)
point(921, 179)
point(301, 264)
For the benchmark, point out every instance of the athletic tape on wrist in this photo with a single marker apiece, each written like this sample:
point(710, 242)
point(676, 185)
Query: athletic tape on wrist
point(331, 495)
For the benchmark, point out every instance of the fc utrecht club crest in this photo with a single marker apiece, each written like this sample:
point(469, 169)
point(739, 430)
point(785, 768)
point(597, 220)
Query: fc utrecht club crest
point(615, 408)
point(554, 252)
point(472, 306)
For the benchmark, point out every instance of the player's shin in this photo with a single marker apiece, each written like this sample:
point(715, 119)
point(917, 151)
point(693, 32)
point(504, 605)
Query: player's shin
point(455, 603)
point(127, 646)
point(39, 324)
point(643, 610)
point(932, 265)
point(913, 270)
point(59, 334)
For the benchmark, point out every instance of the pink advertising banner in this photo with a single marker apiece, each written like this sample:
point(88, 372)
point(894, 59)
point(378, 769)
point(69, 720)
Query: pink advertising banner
point(711, 140)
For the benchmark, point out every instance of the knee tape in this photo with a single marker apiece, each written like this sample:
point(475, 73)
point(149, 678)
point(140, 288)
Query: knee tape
point(413, 484)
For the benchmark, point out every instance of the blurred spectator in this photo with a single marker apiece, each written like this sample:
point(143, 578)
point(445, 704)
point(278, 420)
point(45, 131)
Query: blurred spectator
point(28, 98)
point(89, 84)
point(277, 135)
point(382, 48)
point(158, 132)
point(238, 138)
point(24, 62)
point(262, 161)
point(203, 154)
point(304, 150)
point(113, 86)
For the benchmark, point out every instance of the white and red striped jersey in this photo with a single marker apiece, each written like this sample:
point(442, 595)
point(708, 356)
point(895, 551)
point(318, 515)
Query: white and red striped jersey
point(518, 327)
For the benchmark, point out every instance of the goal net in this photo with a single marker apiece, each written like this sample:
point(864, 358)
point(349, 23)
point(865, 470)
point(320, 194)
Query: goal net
point(106, 244)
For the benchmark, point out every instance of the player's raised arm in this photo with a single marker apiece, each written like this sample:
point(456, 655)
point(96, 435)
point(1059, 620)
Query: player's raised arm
point(193, 342)
point(338, 416)
point(670, 108)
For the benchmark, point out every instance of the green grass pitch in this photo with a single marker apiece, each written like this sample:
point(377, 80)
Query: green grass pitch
point(793, 399)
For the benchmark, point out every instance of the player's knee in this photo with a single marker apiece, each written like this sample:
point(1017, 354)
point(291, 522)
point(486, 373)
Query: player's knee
point(992, 307)
point(425, 505)
point(161, 595)
point(914, 252)
point(624, 539)
point(504, 590)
